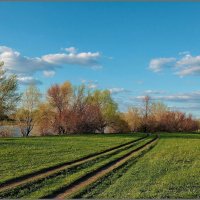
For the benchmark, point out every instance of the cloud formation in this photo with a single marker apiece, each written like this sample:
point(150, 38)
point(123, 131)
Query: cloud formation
point(90, 83)
point(84, 59)
point(24, 66)
point(151, 92)
point(49, 73)
point(27, 80)
point(190, 97)
point(157, 64)
point(188, 65)
point(117, 90)
point(184, 66)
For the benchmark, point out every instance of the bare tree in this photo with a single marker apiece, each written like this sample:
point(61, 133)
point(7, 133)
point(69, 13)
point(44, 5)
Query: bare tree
point(146, 110)
point(59, 97)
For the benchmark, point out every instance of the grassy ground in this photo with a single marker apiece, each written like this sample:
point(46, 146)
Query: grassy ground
point(169, 170)
point(67, 176)
point(19, 156)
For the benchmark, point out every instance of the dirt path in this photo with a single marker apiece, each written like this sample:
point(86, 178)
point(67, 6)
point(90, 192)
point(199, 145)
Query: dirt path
point(95, 175)
point(52, 170)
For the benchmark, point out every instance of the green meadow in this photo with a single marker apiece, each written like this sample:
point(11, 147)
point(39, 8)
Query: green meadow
point(170, 168)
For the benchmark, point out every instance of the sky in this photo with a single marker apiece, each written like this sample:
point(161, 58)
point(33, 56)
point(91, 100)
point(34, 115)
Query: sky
point(131, 48)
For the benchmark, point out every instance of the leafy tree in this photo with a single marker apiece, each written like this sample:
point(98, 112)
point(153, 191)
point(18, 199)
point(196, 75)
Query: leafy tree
point(133, 118)
point(46, 119)
point(27, 113)
point(107, 105)
point(8, 93)
point(120, 125)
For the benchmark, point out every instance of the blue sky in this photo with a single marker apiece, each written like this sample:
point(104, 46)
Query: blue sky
point(131, 48)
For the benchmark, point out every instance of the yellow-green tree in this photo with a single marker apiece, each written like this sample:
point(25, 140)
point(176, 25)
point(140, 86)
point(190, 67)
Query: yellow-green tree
point(107, 105)
point(27, 113)
point(133, 118)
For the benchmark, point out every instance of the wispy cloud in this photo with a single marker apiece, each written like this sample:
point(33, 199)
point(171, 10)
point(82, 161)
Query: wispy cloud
point(91, 84)
point(157, 64)
point(118, 90)
point(27, 80)
point(139, 82)
point(152, 92)
point(190, 97)
point(49, 73)
point(188, 65)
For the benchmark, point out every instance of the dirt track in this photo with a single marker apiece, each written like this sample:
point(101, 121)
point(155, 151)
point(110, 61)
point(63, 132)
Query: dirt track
point(95, 175)
point(10, 184)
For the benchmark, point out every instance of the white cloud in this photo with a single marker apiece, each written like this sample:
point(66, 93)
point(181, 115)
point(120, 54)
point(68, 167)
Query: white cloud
point(139, 97)
point(188, 65)
point(84, 59)
point(16, 63)
point(24, 66)
point(190, 97)
point(175, 98)
point(184, 53)
point(188, 60)
point(191, 70)
point(29, 80)
point(117, 90)
point(71, 50)
point(158, 64)
point(184, 66)
point(49, 73)
point(154, 91)
point(92, 86)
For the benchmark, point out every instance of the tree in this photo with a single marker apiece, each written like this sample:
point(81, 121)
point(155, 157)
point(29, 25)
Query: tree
point(79, 109)
point(59, 98)
point(26, 115)
point(107, 106)
point(158, 110)
point(120, 125)
point(133, 118)
point(146, 112)
point(46, 119)
point(85, 115)
point(8, 93)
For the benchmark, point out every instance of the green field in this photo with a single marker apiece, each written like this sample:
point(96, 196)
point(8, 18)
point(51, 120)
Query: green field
point(167, 167)
point(19, 156)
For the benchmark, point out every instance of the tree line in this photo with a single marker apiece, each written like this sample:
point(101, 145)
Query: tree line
point(68, 109)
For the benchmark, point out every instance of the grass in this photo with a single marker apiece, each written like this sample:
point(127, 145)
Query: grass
point(170, 170)
point(19, 156)
point(65, 177)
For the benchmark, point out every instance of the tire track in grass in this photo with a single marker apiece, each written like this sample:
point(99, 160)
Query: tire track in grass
point(96, 174)
point(12, 183)
point(30, 188)
point(93, 190)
